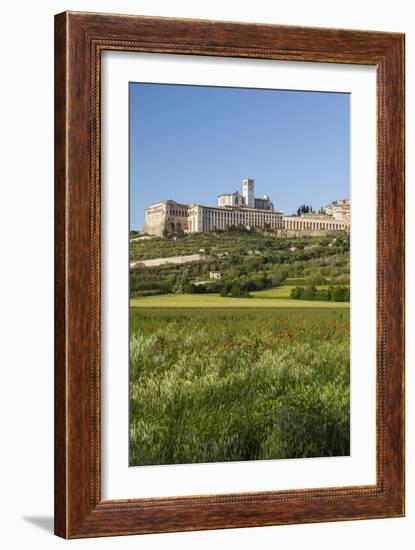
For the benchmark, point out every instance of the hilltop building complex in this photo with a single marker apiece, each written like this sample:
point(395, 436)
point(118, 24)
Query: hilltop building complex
point(236, 209)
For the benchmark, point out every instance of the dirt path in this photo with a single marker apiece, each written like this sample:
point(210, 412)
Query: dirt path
point(171, 260)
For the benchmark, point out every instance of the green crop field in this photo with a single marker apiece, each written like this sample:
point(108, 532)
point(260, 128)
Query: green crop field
point(270, 298)
point(236, 383)
point(283, 293)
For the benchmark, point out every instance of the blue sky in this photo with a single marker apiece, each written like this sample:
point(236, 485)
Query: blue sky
point(191, 143)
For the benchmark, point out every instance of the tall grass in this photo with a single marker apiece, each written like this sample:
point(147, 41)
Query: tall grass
point(223, 385)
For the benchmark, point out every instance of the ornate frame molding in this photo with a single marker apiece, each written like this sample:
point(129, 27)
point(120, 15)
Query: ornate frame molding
point(79, 40)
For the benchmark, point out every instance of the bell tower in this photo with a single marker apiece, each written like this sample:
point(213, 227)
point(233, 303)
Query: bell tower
point(248, 192)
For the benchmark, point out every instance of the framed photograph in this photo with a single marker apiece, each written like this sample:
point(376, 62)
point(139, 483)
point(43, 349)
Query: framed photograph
point(229, 275)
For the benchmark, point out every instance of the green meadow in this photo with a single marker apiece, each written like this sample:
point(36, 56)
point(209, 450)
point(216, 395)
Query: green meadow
point(270, 298)
point(221, 384)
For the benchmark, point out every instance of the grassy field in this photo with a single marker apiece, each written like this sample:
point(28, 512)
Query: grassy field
point(221, 384)
point(270, 298)
point(278, 293)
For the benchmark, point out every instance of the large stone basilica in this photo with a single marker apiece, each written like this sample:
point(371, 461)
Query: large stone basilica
point(236, 209)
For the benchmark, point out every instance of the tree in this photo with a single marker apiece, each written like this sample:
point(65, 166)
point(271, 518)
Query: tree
point(277, 279)
point(304, 209)
point(297, 292)
point(184, 278)
point(309, 292)
point(238, 290)
point(340, 294)
point(225, 288)
point(317, 279)
point(323, 295)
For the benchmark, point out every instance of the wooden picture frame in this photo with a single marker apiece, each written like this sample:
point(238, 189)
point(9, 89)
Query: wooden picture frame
point(79, 40)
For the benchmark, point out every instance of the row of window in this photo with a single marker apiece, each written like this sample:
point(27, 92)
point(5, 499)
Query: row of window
point(296, 224)
point(177, 212)
point(222, 214)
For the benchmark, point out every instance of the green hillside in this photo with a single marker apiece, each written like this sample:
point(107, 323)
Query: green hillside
point(246, 262)
point(217, 243)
